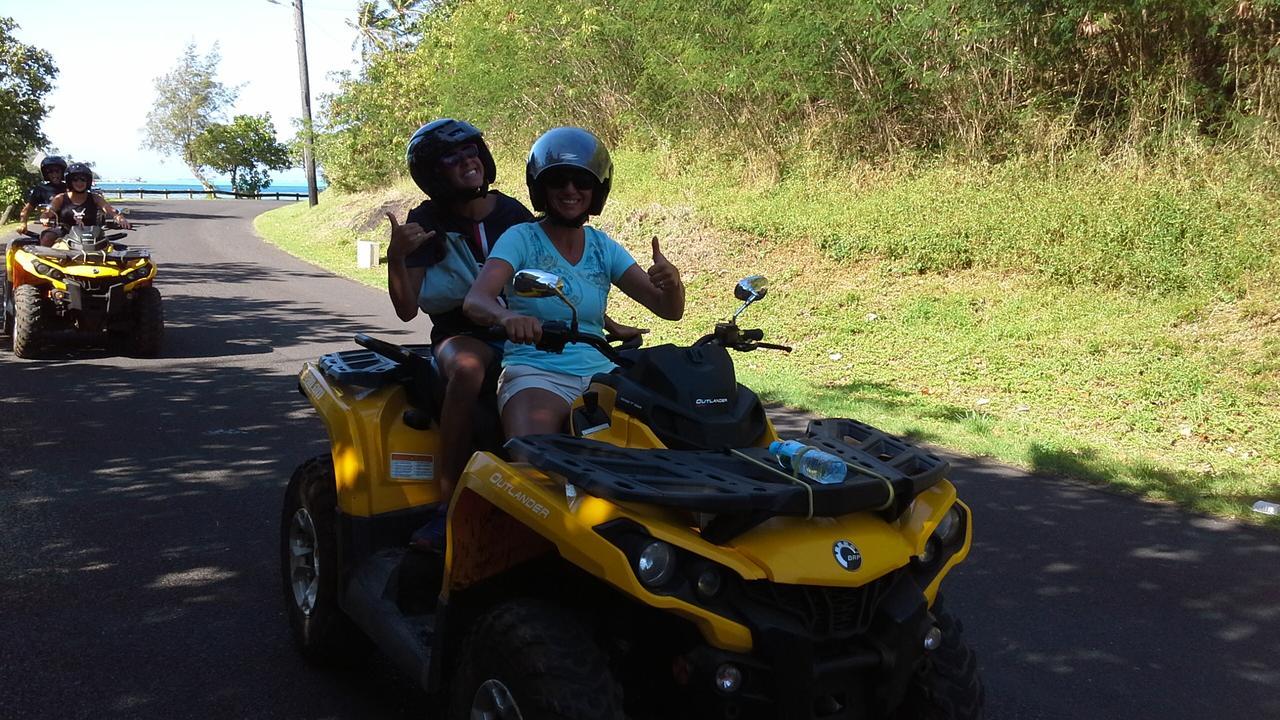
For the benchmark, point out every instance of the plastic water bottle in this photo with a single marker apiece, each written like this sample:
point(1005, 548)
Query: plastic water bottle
point(1266, 508)
point(820, 467)
point(572, 495)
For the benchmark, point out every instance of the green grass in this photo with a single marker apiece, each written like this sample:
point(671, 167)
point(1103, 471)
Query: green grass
point(326, 235)
point(943, 321)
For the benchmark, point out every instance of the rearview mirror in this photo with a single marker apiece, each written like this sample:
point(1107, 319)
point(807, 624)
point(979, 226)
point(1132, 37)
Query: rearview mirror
point(538, 284)
point(751, 288)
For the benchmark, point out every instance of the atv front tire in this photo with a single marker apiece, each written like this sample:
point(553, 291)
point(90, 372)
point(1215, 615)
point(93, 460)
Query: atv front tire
point(526, 659)
point(30, 320)
point(309, 567)
point(947, 685)
point(148, 327)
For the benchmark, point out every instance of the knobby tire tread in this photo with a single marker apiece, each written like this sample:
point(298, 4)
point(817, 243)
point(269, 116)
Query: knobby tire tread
point(148, 330)
point(545, 657)
point(30, 320)
point(948, 686)
point(328, 637)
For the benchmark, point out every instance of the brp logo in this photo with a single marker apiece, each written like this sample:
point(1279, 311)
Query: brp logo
point(847, 555)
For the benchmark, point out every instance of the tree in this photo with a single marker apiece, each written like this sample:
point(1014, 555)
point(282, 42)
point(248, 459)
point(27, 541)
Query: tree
point(246, 149)
point(188, 100)
point(382, 30)
point(26, 76)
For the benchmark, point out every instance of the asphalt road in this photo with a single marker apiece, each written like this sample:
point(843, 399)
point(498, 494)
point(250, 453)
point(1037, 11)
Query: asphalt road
point(139, 504)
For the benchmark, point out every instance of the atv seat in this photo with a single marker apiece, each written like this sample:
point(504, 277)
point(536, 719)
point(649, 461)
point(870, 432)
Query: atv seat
point(425, 385)
point(16, 243)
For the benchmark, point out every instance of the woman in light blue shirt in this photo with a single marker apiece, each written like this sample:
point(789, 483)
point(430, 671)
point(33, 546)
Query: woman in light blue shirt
point(569, 174)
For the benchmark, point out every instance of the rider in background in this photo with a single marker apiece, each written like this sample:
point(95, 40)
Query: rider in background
point(78, 206)
point(569, 175)
point(52, 171)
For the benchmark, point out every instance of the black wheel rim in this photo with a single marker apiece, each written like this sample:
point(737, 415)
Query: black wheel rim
point(493, 701)
point(304, 567)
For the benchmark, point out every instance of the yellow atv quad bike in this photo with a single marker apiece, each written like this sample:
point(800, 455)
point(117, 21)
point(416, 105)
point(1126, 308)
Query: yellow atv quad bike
point(86, 282)
point(655, 562)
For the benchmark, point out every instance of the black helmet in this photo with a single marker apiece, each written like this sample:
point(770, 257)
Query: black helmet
point(52, 161)
point(569, 147)
point(79, 169)
point(434, 140)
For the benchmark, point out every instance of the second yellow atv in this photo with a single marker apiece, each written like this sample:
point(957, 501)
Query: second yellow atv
point(655, 562)
point(86, 282)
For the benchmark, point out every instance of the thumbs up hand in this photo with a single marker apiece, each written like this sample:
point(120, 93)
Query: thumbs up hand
point(662, 273)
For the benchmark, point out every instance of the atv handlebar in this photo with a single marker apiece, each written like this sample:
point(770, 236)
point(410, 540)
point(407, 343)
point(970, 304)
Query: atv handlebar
point(555, 336)
point(729, 335)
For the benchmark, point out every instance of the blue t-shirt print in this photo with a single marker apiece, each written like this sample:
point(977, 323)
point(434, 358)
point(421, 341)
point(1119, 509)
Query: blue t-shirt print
point(586, 284)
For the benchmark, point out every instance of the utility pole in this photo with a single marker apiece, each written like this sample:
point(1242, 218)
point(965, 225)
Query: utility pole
point(308, 159)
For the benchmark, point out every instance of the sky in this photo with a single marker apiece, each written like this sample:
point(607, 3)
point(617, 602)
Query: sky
point(108, 55)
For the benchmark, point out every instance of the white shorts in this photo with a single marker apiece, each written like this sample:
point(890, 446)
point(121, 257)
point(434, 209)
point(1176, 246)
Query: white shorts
point(515, 378)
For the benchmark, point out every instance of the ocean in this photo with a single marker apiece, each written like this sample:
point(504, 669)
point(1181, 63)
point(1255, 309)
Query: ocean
point(184, 187)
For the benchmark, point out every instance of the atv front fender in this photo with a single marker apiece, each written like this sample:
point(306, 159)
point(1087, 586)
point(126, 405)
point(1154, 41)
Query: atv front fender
point(504, 514)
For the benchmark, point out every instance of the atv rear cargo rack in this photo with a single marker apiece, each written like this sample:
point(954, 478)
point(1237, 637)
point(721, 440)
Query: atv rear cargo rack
point(367, 368)
point(745, 487)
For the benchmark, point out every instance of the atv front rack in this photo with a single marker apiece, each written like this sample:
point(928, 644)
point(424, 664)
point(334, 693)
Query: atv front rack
point(741, 488)
point(120, 254)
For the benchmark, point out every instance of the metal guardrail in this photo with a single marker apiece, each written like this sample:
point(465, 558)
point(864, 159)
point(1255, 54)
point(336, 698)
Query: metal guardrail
point(140, 192)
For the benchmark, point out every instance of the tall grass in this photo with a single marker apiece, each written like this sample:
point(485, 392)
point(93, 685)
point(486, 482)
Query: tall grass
point(1130, 227)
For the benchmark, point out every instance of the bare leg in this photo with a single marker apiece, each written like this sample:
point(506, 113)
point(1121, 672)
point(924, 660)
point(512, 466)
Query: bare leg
point(534, 412)
point(463, 361)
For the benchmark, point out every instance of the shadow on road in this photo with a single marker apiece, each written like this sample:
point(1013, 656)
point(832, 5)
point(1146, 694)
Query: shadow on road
point(204, 326)
point(164, 550)
point(1079, 595)
point(152, 216)
point(139, 557)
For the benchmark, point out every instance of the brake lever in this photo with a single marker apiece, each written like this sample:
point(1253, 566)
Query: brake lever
point(771, 346)
point(632, 343)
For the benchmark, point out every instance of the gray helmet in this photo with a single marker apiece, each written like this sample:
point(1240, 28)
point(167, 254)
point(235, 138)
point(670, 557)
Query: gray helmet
point(568, 147)
point(435, 139)
point(52, 161)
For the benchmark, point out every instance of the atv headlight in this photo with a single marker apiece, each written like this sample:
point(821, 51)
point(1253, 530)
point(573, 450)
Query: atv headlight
point(49, 270)
point(709, 582)
point(949, 527)
point(656, 564)
point(930, 551)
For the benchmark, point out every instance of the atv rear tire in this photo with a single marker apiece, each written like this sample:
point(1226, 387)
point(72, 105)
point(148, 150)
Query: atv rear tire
point(309, 567)
point(30, 320)
point(530, 660)
point(947, 685)
point(148, 327)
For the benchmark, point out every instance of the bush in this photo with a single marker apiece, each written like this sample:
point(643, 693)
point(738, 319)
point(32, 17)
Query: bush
point(849, 78)
point(10, 191)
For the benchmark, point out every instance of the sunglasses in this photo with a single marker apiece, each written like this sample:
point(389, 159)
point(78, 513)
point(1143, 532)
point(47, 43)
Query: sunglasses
point(78, 178)
point(581, 179)
point(462, 154)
